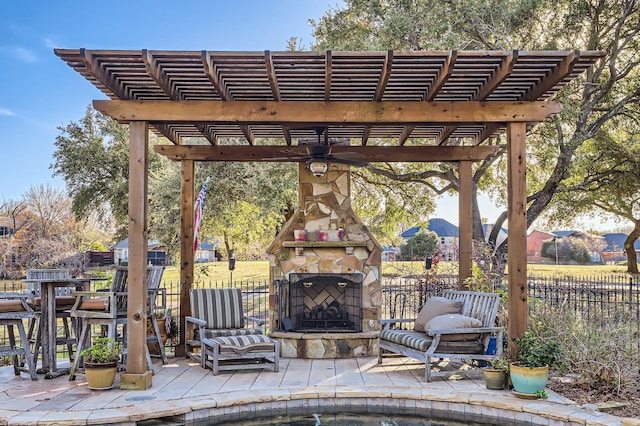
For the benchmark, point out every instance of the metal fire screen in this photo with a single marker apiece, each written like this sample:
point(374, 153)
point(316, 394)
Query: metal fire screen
point(321, 303)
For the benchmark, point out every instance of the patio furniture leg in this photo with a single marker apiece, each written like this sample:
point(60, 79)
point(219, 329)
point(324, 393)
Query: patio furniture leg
point(27, 353)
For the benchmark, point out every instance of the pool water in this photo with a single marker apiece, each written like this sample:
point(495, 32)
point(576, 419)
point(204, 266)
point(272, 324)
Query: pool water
point(345, 420)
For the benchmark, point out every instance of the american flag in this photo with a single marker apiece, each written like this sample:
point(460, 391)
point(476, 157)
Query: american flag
point(198, 219)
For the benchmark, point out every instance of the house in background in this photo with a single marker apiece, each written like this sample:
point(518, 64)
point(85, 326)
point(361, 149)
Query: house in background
point(448, 236)
point(390, 254)
point(156, 254)
point(6, 226)
point(614, 250)
point(208, 251)
point(534, 246)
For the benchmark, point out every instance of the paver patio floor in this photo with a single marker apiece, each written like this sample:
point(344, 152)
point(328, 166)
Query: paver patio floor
point(185, 392)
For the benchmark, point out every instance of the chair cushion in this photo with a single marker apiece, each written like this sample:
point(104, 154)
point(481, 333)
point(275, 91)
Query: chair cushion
point(412, 339)
point(454, 321)
point(221, 308)
point(94, 304)
point(11, 305)
point(420, 341)
point(242, 345)
point(211, 333)
point(434, 307)
point(62, 302)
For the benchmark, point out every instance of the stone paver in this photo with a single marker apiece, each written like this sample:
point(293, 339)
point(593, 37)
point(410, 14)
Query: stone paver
point(182, 388)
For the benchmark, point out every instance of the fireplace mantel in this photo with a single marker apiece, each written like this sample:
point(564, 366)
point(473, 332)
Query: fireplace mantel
point(301, 245)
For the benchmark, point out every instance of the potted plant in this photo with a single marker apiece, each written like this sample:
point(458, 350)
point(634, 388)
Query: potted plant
point(495, 375)
point(101, 362)
point(529, 375)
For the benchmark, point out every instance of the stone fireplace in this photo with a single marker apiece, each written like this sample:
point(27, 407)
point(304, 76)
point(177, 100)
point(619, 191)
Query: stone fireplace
point(325, 290)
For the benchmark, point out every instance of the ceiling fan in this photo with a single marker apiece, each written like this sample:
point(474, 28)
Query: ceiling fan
point(319, 156)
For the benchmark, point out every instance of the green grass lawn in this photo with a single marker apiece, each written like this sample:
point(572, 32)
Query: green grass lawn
point(259, 270)
point(219, 271)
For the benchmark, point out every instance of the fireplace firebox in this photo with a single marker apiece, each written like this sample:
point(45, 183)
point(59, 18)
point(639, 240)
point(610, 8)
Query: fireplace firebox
point(321, 303)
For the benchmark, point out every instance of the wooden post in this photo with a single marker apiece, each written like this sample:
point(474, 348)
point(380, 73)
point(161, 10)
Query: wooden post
point(517, 239)
point(137, 376)
point(187, 199)
point(465, 214)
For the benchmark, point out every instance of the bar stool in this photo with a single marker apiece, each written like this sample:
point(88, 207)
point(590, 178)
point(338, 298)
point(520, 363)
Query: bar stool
point(13, 310)
point(108, 310)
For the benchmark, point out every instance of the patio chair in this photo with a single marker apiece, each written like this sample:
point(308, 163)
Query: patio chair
point(109, 310)
point(64, 301)
point(13, 310)
point(215, 312)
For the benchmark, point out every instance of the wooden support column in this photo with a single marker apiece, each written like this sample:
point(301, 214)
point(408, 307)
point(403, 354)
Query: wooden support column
point(137, 376)
point(187, 192)
point(465, 214)
point(517, 239)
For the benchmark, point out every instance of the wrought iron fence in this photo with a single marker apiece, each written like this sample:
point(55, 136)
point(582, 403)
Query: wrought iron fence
point(601, 298)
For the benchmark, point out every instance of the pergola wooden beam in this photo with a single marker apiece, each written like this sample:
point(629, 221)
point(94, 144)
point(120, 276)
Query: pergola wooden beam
point(307, 112)
point(374, 154)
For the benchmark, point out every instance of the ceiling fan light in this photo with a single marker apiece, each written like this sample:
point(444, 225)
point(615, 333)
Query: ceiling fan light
point(318, 168)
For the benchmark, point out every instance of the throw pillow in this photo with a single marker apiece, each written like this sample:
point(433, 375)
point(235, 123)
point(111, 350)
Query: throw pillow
point(434, 307)
point(454, 321)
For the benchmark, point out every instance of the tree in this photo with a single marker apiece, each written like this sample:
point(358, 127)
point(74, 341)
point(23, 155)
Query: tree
point(603, 94)
point(246, 203)
point(421, 245)
point(607, 176)
point(92, 156)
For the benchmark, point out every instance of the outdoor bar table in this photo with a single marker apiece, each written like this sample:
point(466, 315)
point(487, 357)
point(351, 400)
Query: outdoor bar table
point(48, 322)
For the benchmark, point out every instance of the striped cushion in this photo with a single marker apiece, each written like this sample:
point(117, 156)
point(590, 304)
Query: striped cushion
point(242, 345)
point(211, 333)
point(221, 308)
point(420, 341)
point(413, 339)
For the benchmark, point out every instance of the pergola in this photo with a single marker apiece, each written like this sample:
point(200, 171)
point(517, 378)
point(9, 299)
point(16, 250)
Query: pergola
point(394, 106)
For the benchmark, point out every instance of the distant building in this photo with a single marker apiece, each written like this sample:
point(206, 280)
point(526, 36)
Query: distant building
point(156, 254)
point(208, 251)
point(614, 250)
point(448, 237)
point(534, 246)
point(6, 226)
point(390, 254)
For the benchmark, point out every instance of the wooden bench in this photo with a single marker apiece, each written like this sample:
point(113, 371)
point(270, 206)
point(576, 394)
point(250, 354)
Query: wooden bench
point(456, 344)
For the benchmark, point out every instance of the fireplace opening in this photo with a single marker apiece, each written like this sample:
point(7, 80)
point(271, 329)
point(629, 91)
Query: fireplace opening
point(320, 303)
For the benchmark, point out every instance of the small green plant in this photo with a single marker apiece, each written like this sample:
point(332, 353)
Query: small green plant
point(536, 351)
point(542, 394)
point(104, 349)
point(501, 363)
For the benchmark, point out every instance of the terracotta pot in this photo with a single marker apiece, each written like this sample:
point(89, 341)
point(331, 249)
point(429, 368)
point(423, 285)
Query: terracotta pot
point(100, 375)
